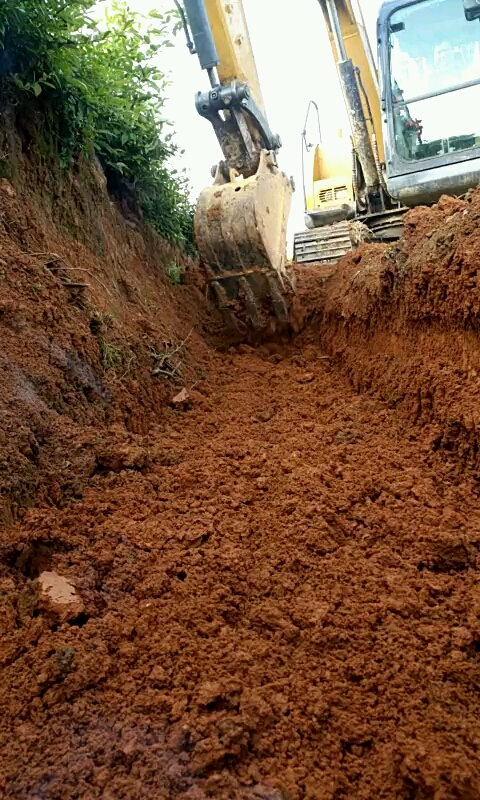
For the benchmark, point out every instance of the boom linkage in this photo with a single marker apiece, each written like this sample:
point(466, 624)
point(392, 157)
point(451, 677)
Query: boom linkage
point(241, 220)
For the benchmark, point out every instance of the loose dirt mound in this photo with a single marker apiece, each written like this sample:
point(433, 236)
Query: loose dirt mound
point(287, 607)
point(402, 322)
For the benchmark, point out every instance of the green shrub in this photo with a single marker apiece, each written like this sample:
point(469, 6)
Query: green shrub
point(111, 355)
point(174, 272)
point(99, 81)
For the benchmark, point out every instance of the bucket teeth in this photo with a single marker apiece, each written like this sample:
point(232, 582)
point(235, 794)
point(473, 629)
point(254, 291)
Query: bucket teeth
point(223, 305)
point(278, 300)
point(250, 304)
point(220, 295)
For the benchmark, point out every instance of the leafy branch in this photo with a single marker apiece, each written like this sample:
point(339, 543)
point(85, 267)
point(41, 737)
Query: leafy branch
point(103, 85)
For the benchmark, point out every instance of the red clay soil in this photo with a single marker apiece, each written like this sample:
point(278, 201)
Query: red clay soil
point(85, 325)
point(272, 584)
point(286, 607)
point(402, 322)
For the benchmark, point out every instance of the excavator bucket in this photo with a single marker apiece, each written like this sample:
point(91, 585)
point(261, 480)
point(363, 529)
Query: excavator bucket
point(241, 231)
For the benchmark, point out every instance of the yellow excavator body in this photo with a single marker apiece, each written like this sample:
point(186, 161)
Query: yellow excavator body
point(350, 200)
point(332, 175)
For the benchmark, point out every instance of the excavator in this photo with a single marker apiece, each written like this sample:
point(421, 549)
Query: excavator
point(414, 135)
point(414, 130)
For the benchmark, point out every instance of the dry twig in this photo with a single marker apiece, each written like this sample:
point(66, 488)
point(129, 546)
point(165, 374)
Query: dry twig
point(166, 365)
point(52, 257)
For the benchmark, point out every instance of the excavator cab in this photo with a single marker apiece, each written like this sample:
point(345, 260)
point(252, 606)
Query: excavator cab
point(429, 53)
point(241, 220)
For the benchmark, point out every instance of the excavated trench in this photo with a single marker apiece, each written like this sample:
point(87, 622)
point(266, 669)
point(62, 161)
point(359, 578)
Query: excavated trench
point(286, 606)
point(264, 586)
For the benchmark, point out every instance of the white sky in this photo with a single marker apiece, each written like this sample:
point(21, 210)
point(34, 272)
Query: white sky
point(295, 65)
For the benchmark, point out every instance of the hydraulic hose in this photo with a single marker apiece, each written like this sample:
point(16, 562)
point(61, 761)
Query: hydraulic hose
point(181, 12)
point(306, 147)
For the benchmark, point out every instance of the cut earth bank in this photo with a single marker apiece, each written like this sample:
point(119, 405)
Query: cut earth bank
point(267, 589)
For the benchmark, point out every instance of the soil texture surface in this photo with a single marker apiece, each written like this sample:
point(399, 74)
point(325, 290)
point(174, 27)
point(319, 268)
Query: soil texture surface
point(284, 605)
point(227, 572)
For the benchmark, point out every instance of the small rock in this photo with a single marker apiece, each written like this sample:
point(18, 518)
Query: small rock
point(266, 416)
point(158, 677)
point(58, 596)
point(181, 399)
point(308, 377)
point(245, 349)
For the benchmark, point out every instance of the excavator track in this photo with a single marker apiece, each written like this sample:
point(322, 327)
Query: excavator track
point(386, 227)
point(325, 245)
point(331, 242)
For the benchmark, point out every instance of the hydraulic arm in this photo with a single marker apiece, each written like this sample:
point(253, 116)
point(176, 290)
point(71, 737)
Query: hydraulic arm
point(348, 180)
point(359, 84)
point(240, 221)
point(358, 77)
